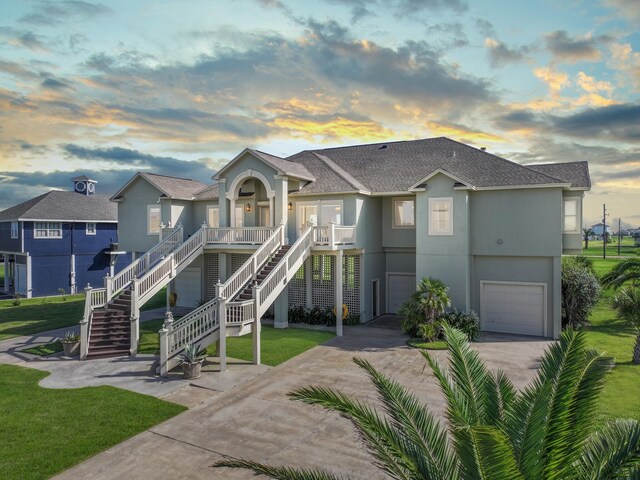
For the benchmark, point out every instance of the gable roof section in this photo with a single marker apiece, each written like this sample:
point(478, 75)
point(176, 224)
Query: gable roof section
point(280, 165)
point(208, 193)
point(61, 205)
point(170, 187)
point(575, 173)
point(397, 166)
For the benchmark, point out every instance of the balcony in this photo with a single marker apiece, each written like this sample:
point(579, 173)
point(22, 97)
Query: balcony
point(325, 237)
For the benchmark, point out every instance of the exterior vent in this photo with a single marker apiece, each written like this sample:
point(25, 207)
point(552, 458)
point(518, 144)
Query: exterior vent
point(382, 147)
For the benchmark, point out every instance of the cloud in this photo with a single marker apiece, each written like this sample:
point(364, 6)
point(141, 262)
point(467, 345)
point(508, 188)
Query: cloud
point(614, 122)
point(574, 49)
point(401, 8)
point(53, 84)
point(411, 7)
point(25, 39)
point(500, 54)
point(360, 9)
point(627, 9)
point(627, 62)
point(49, 13)
point(448, 35)
point(556, 81)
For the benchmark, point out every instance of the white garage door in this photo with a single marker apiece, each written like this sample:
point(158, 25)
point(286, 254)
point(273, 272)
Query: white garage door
point(189, 287)
point(399, 288)
point(513, 307)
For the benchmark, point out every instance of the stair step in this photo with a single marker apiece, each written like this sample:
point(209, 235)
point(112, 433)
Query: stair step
point(108, 353)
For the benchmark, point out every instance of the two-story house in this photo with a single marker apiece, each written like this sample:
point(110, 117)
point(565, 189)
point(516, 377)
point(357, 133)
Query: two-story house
point(360, 226)
point(58, 241)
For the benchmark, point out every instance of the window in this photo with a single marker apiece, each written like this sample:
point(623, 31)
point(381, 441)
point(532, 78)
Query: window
point(47, 230)
point(320, 212)
point(404, 213)
point(239, 216)
point(153, 219)
point(571, 223)
point(213, 216)
point(91, 228)
point(14, 229)
point(441, 216)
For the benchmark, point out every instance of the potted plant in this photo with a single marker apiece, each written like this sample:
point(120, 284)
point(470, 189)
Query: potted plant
point(71, 343)
point(192, 359)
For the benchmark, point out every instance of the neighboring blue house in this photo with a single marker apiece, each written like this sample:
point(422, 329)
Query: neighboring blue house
point(60, 240)
point(598, 229)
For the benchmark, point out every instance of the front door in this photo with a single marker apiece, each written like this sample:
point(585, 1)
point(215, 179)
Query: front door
point(265, 218)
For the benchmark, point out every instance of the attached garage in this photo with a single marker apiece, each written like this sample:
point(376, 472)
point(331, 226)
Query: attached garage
point(400, 286)
point(513, 307)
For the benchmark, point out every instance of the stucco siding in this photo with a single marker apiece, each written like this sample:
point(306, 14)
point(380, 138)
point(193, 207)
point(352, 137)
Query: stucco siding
point(523, 222)
point(249, 162)
point(132, 217)
point(396, 237)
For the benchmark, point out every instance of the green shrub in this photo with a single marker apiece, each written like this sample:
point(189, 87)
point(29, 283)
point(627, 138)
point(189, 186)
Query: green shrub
point(352, 320)
point(297, 314)
point(429, 331)
point(412, 316)
point(467, 323)
point(586, 262)
point(16, 300)
point(425, 304)
point(580, 293)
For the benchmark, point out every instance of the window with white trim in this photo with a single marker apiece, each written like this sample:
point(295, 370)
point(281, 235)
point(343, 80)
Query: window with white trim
point(213, 216)
point(153, 219)
point(14, 229)
point(441, 216)
point(320, 212)
point(47, 230)
point(571, 223)
point(91, 228)
point(404, 213)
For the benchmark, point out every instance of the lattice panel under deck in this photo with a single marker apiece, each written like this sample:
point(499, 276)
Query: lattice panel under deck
point(212, 272)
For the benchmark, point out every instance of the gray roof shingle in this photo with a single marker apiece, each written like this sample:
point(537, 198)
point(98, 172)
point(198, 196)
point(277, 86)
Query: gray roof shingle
point(208, 193)
point(174, 187)
point(60, 205)
point(576, 173)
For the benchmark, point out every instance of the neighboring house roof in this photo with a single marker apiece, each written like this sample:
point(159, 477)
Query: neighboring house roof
point(171, 187)
point(63, 206)
point(576, 173)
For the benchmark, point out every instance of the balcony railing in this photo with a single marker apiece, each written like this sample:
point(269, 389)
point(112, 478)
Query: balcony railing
point(334, 235)
point(246, 235)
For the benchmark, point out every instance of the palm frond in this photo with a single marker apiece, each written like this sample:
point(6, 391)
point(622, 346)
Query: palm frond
point(500, 394)
point(280, 473)
point(411, 417)
point(613, 452)
point(389, 447)
point(627, 270)
point(494, 455)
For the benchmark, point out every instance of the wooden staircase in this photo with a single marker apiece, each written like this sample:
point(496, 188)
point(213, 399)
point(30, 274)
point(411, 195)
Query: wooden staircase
point(247, 292)
point(110, 334)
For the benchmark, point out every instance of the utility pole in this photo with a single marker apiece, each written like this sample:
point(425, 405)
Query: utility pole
point(604, 230)
point(619, 235)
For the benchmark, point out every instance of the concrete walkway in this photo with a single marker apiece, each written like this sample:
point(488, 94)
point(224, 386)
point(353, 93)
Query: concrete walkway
point(257, 420)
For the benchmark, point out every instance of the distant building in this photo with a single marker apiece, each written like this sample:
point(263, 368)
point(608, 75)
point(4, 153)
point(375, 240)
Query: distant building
point(598, 229)
point(60, 240)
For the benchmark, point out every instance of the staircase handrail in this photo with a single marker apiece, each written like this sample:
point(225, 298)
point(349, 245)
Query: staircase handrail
point(287, 263)
point(124, 277)
point(170, 263)
point(250, 268)
point(203, 321)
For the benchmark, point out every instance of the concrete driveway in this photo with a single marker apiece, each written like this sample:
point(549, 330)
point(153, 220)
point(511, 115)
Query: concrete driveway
point(256, 420)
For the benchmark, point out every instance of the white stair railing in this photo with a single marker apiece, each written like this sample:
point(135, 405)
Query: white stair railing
point(124, 277)
point(286, 268)
point(94, 298)
point(248, 235)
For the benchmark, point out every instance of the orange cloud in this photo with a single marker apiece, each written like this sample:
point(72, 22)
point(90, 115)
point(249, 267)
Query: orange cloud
point(556, 81)
point(337, 127)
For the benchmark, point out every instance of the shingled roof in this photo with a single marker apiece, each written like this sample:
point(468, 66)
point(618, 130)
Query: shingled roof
point(60, 205)
point(575, 173)
point(171, 187)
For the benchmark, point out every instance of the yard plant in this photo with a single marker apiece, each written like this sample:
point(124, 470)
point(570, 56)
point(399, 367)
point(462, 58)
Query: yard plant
point(430, 299)
point(627, 304)
point(580, 292)
point(546, 431)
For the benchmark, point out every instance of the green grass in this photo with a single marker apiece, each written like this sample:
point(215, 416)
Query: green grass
point(35, 315)
point(278, 345)
point(2, 276)
point(45, 431)
point(159, 300)
point(419, 343)
point(46, 349)
point(609, 334)
point(627, 248)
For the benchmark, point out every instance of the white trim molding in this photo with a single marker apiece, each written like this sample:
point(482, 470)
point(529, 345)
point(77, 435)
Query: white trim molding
point(234, 188)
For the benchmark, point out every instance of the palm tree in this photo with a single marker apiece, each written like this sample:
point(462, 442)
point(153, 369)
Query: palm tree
point(627, 304)
point(587, 232)
point(628, 270)
point(493, 431)
point(433, 297)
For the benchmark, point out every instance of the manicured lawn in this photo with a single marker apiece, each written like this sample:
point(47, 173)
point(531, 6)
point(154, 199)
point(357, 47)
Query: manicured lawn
point(46, 349)
point(419, 343)
point(621, 396)
point(45, 431)
point(159, 300)
point(627, 248)
point(35, 315)
point(2, 276)
point(278, 345)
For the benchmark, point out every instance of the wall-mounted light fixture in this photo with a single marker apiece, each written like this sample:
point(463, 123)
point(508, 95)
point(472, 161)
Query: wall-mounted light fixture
point(247, 207)
point(290, 206)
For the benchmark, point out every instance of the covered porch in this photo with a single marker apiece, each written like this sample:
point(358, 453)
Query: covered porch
point(17, 274)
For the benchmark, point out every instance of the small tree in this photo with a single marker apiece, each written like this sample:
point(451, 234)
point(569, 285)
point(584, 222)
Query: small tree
point(580, 293)
point(627, 304)
point(425, 304)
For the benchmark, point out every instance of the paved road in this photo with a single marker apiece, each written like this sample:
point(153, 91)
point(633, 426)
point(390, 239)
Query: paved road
point(256, 419)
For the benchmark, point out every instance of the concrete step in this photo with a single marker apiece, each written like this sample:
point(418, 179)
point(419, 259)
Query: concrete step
point(107, 353)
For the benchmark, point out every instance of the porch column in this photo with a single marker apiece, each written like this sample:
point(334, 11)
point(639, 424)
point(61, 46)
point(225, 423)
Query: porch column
point(232, 212)
point(281, 200)
point(338, 282)
point(29, 278)
point(281, 304)
point(222, 202)
point(308, 281)
point(5, 266)
point(222, 267)
point(272, 219)
point(256, 327)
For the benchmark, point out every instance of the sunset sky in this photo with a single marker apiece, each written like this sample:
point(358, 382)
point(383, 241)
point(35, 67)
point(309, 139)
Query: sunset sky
point(181, 87)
